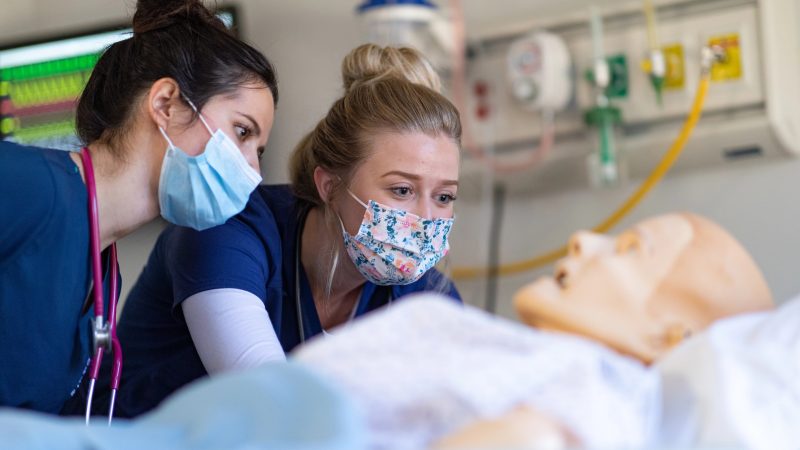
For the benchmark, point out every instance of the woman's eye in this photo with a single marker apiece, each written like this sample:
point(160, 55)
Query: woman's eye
point(242, 131)
point(445, 199)
point(402, 191)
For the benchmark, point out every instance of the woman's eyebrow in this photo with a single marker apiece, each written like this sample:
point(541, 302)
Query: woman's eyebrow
point(414, 176)
point(256, 128)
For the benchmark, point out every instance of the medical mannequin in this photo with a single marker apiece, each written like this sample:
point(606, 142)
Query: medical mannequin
point(627, 358)
point(642, 292)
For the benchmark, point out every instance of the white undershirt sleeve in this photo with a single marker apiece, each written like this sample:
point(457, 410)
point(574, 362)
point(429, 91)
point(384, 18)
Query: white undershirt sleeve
point(231, 329)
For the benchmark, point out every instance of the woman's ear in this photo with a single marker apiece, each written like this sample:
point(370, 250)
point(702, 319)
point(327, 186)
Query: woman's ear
point(325, 183)
point(162, 101)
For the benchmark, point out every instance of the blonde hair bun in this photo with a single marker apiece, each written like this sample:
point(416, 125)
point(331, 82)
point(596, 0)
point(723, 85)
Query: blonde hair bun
point(371, 62)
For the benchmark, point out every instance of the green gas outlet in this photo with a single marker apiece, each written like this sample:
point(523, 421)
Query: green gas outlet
point(618, 67)
point(619, 82)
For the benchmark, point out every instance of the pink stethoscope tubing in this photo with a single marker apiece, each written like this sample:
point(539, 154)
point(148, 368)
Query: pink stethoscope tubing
point(104, 334)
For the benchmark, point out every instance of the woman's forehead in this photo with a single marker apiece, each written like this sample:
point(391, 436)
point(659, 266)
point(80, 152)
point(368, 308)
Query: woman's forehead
point(413, 152)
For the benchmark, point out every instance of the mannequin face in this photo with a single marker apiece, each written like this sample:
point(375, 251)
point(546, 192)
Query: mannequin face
point(602, 288)
point(641, 292)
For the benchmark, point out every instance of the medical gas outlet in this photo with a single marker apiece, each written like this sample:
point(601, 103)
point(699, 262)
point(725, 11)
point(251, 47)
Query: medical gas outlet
point(540, 72)
point(729, 66)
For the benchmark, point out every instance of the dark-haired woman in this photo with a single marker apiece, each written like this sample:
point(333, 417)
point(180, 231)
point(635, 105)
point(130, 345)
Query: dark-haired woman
point(174, 120)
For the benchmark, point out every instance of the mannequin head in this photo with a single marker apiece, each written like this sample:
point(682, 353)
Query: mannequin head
point(645, 290)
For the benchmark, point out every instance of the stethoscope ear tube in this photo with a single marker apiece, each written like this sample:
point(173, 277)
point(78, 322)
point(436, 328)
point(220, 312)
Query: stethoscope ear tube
point(104, 333)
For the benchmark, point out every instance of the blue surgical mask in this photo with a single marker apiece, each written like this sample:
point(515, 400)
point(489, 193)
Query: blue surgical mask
point(204, 191)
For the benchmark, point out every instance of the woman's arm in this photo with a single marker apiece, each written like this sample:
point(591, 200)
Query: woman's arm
point(231, 330)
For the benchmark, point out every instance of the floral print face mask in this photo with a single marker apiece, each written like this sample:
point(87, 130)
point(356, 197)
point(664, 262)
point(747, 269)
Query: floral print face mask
point(393, 246)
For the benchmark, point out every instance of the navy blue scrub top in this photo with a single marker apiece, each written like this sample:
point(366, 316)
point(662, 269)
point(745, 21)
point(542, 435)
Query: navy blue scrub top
point(45, 330)
point(255, 252)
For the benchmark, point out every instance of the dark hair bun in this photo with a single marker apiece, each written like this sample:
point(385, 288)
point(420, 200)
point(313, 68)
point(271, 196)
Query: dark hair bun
point(158, 14)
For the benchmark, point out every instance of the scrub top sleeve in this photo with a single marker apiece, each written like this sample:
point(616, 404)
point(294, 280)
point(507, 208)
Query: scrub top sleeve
point(229, 256)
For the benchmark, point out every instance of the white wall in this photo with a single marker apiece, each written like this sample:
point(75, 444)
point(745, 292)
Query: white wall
point(306, 41)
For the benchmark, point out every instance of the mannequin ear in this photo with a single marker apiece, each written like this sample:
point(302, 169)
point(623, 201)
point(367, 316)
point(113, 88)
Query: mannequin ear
point(325, 182)
point(163, 101)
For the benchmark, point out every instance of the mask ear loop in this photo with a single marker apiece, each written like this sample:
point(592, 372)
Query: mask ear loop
point(202, 119)
point(352, 195)
point(356, 198)
point(342, 224)
point(169, 141)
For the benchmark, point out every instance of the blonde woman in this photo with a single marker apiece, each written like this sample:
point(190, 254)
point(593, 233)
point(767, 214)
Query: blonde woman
point(364, 221)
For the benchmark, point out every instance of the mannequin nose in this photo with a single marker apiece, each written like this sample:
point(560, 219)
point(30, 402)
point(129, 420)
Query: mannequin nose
point(585, 244)
point(565, 271)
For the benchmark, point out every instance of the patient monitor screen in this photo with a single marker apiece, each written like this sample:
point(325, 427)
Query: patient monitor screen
point(40, 83)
